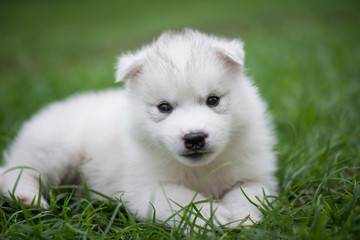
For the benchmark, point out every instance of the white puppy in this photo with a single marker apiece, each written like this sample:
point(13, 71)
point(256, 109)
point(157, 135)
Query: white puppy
point(189, 126)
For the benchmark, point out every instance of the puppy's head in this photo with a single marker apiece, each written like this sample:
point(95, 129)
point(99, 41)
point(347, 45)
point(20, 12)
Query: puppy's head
point(183, 91)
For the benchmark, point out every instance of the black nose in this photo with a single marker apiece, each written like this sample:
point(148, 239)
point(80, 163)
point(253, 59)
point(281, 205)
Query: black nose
point(195, 141)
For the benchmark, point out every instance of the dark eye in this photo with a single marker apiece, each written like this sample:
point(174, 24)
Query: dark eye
point(165, 107)
point(213, 101)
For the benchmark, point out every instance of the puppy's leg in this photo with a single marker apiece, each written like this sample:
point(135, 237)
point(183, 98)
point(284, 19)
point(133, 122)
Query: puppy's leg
point(240, 207)
point(24, 185)
point(166, 200)
point(27, 165)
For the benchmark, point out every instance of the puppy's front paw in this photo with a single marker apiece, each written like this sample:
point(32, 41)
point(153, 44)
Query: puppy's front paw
point(218, 213)
point(242, 211)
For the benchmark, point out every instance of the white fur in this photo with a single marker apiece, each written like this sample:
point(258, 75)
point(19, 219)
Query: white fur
point(134, 151)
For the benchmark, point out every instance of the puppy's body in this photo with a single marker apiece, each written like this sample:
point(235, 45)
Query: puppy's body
point(187, 111)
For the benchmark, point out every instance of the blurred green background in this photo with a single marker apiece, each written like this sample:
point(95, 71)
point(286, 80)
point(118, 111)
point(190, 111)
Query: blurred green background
point(303, 55)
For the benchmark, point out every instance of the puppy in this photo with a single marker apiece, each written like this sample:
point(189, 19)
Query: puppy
point(189, 126)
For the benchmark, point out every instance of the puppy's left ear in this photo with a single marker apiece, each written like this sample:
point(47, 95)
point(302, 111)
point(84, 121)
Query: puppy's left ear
point(232, 54)
point(129, 66)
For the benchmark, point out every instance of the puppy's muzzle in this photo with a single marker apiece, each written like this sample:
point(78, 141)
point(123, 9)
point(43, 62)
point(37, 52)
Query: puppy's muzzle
point(195, 141)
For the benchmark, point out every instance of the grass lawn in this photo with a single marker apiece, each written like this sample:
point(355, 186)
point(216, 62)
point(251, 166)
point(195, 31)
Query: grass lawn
point(303, 55)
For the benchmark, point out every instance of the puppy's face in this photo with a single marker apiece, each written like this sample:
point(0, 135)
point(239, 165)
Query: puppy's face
point(183, 93)
point(188, 116)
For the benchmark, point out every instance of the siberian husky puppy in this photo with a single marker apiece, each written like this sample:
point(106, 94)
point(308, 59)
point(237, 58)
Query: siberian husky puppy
point(189, 126)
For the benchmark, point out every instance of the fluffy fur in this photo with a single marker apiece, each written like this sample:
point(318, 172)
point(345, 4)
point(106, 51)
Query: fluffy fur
point(147, 157)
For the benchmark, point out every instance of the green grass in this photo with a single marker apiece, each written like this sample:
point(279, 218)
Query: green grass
point(303, 55)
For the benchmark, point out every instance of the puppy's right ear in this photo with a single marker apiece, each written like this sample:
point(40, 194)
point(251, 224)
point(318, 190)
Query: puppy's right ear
point(232, 54)
point(129, 66)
